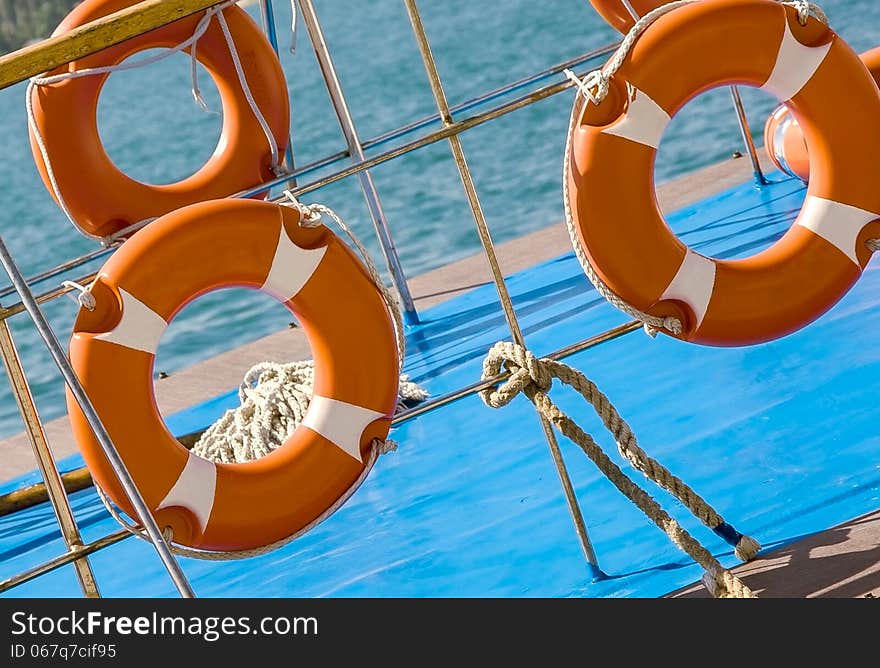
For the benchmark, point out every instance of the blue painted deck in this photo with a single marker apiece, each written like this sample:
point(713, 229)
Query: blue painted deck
point(779, 438)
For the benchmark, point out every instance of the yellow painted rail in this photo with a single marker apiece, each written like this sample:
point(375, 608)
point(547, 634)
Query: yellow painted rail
point(73, 481)
point(92, 37)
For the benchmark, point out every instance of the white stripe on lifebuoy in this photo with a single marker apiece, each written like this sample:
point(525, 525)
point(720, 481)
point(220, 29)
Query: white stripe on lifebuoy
point(139, 327)
point(292, 267)
point(795, 66)
point(194, 489)
point(693, 284)
point(839, 224)
point(339, 422)
point(644, 121)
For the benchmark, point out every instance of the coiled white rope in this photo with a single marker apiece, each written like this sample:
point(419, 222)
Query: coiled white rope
point(592, 89)
point(274, 399)
point(191, 43)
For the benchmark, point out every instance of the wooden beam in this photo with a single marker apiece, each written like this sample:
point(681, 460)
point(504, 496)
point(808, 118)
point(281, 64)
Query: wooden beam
point(26, 497)
point(73, 481)
point(92, 37)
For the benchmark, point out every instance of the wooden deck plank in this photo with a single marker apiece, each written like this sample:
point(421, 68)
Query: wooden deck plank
point(842, 562)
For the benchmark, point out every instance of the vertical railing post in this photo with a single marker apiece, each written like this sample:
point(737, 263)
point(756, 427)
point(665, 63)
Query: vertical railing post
point(59, 356)
point(45, 461)
point(497, 275)
point(356, 150)
point(746, 132)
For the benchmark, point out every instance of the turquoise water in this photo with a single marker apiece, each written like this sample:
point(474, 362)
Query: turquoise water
point(154, 131)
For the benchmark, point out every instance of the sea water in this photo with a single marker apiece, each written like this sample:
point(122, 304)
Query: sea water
point(152, 129)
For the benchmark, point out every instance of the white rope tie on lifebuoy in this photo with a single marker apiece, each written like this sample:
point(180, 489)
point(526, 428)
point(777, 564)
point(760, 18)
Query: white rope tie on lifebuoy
point(592, 89)
point(311, 216)
point(804, 9)
point(246, 89)
point(84, 297)
point(191, 43)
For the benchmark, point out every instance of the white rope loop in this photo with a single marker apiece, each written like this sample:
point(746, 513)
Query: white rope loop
point(189, 43)
point(600, 79)
point(83, 297)
point(293, 26)
point(246, 89)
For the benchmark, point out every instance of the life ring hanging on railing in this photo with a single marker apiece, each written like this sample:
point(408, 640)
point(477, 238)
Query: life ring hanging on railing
point(236, 243)
point(617, 228)
point(784, 140)
point(98, 197)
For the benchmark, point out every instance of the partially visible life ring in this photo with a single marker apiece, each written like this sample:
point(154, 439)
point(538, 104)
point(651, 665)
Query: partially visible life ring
point(155, 273)
point(610, 166)
point(100, 198)
point(619, 17)
point(784, 140)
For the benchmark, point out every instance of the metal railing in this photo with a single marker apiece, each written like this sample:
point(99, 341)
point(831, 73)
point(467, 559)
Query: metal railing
point(150, 14)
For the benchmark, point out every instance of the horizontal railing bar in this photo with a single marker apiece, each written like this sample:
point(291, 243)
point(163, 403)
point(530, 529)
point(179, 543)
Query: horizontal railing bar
point(73, 263)
point(474, 388)
point(63, 559)
point(18, 307)
point(492, 95)
point(94, 36)
point(409, 128)
point(454, 128)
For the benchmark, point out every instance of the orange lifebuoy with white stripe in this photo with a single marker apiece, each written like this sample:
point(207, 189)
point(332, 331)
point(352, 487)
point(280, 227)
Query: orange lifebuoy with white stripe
point(618, 15)
point(100, 198)
point(784, 140)
point(613, 146)
point(236, 243)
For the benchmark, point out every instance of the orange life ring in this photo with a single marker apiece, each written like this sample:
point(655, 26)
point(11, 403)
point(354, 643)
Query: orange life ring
point(619, 17)
point(610, 166)
point(182, 255)
point(784, 140)
point(102, 199)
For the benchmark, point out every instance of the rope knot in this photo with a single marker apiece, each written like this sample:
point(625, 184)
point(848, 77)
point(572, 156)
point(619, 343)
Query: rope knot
point(310, 214)
point(384, 447)
point(83, 297)
point(804, 9)
point(528, 374)
point(594, 86)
